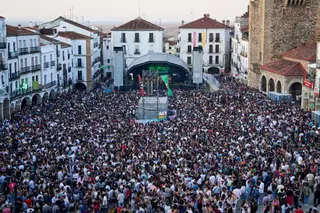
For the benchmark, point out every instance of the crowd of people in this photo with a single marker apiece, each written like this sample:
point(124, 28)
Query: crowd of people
point(230, 151)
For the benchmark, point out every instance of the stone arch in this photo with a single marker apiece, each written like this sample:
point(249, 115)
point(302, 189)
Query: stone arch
point(36, 99)
point(45, 97)
point(12, 108)
point(271, 85)
point(279, 87)
point(80, 86)
point(52, 95)
point(263, 84)
point(26, 101)
point(295, 89)
point(6, 108)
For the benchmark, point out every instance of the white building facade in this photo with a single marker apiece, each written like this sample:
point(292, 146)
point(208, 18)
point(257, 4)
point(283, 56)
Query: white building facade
point(212, 36)
point(86, 50)
point(4, 80)
point(108, 57)
point(170, 46)
point(240, 46)
point(24, 67)
point(138, 37)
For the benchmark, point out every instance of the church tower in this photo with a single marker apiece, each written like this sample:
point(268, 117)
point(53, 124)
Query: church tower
point(276, 26)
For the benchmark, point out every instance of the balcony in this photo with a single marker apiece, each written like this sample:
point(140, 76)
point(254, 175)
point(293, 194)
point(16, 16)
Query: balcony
point(14, 76)
point(211, 39)
point(23, 51)
point(217, 51)
point(52, 63)
point(24, 70)
point(3, 45)
point(79, 65)
point(15, 94)
point(46, 65)
point(59, 67)
point(217, 40)
point(123, 40)
point(189, 40)
point(210, 51)
point(12, 55)
point(189, 51)
point(34, 49)
point(35, 68)
point(137, 52)
point(3, 66)
point(49, 85)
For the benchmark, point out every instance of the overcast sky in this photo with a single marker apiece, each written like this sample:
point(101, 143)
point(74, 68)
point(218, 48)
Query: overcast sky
point(122, 10)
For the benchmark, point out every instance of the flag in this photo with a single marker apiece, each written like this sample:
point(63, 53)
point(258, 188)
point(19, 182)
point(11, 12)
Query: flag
point(194, 39)
point(204, 39)
point(141, 86)
point(165, 79)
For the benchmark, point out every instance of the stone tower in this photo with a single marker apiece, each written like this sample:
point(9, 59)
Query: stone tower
point(276, 26)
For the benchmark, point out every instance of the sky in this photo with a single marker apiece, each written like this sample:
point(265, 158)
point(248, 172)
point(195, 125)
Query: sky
point(121, 11)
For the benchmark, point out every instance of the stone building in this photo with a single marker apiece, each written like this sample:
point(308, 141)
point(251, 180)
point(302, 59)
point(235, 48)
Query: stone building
point(276, 27)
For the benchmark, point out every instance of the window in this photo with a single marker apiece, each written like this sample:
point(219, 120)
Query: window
point(37, 78)
point(210, 48)
point(136, 37)
point(32, 61)
point(50, 57)
point(25, 62)
point(44, 59)
point(107, 47)
point(210, 59)
point(189, 37)
point(32, 78)
point(108, 61)
point(217, 48)
point(10, 68)
point(210, 37)
point(24, 43)
point(8, 47)
point(15, 66)
point(14, 46)
point(31, 43)
point(36, 61)
point(137, 51)
point(188, 60)
point(79, 62)
point(217, 37)
point(79, 75)
point(79, 49)
point(217, 59)
point(2, 81)
point(123, 37)
point(151, 40)
point(170, 48)
point(63, 55)
point(20, 44)
point(45, 79)
point(21, 62)
point(189, 48)
point(199, 37)
point(35, 42)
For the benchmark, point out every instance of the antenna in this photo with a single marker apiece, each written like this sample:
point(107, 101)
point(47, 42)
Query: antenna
point(139, 7)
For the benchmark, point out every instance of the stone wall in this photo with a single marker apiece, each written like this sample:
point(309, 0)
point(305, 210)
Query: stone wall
point(276, 28)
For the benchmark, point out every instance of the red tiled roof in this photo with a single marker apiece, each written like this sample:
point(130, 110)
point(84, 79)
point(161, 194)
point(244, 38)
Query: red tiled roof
point(49, 39)
point(65, 44)
point(2, 17)
point(285, 68)
point(16, 31)
point(306, 53)
point(245, 29)
point(205, 23)
point(137, 24)
point(172, 43)
point(75, 24)
point(31, 28)
point(73, 35)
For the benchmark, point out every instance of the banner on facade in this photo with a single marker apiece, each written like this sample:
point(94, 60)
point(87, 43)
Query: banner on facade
point(204, 38)
point(194, 39)
point(308, 83)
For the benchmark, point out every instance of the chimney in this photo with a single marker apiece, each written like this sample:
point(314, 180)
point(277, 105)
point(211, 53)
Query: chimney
point(208, 15)
point(205, 15)
point(19, 26)
point(182, 22)
point(223, 22)
point(228, 22)
point(30, 24)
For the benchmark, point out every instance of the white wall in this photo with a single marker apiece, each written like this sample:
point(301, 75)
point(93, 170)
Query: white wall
point(47, 51)
point(224, 48)
point(240, 49)
point(4, 79)
point(67, 62)
point(144, 45)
